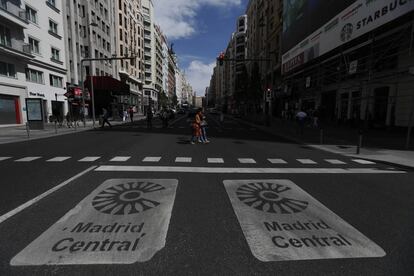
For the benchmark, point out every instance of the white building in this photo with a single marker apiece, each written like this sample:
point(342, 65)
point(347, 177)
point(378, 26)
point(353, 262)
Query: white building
point(179, 86)
point(32, 60)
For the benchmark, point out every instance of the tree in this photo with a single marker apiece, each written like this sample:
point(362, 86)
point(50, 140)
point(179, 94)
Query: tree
point(162, 99)
point(174, 101)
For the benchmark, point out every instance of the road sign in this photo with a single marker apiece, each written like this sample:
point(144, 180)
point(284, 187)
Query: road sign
point(123, 221)
point(281, 222)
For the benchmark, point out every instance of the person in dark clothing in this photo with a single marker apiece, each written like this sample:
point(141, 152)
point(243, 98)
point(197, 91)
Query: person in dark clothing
point(149, 118)
point(131, 114)
point(105, 116)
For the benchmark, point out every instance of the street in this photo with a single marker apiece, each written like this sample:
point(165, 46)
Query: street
point(200, 231)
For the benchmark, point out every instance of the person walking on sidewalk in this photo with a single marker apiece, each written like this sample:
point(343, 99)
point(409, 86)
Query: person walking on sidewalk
point(203, 126)
point(131, 114)
point(105, 116)
point(301, 119)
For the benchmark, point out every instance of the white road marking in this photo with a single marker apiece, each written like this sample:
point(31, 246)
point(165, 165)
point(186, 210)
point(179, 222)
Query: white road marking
point(247, 161)
point(277, 161)
point(89, 159)
point(120, 159)
point(245, 170)
point(335, 161)
point(59, 159)
point(123, 221)
point(363, 162)
point(28, 159)
point(281, 222)
point(151, 159)
point(215, 160)
point(183, 160)
point(4, 158)
point(45, 194)
point(306, 161)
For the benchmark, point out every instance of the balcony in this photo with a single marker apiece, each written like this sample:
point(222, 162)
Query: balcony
point(13, 14)
point(17, 49)
point(147, 18)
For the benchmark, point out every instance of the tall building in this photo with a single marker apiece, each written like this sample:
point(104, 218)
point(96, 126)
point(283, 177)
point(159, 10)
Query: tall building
point(159, 39)
point(32, 63)
point(129, 43)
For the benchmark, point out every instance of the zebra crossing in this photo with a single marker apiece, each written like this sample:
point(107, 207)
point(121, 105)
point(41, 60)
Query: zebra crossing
point(187, 160)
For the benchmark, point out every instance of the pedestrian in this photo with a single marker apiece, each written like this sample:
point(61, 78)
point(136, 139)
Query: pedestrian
point(164, 118)
point(203, 126)
point(131, 114)
point(301, 119)
point(196, 132)
point(68, 120)
point(316, 115)
point(149, 117)
point(124, 115)
point(105, 116)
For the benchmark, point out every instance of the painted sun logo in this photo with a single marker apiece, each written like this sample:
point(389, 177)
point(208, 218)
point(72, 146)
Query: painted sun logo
point(126, 199)
point(268, 197)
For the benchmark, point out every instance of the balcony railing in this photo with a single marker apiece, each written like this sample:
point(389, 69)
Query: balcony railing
point(13, 10)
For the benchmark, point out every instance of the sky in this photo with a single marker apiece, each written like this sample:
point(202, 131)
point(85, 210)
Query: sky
point(200, 30)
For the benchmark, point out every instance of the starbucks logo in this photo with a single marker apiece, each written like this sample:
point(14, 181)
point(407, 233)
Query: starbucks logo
point(346, 32)
point(126, 199)
point(269, 197)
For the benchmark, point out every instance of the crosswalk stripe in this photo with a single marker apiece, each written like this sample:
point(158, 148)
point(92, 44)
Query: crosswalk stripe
point(215, 160)
point(363, 162)
point(277, 161)
point(335, 161)
point(59, 159)
point(306, 161)
point(28, 159)
point(89, 159)
point(183, 160)
point(4, 158)
point(247, 161)
point(120, 159)
point(151, 159)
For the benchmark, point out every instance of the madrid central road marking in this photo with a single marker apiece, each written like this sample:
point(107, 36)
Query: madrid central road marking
point(123, 221)
point(281, 222)
point(219, 170)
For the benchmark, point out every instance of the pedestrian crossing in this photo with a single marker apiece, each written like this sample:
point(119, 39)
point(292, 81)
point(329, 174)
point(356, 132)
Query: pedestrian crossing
point(187, 160)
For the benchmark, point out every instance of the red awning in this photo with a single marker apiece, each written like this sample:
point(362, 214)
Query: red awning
point(107, 84)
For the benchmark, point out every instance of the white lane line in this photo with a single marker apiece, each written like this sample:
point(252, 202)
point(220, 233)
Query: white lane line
point(245, 170)
point(89, 159)
point(151, 159)
point(4, 158)
point(306, 161)
point(59, 159)
point(120, 159)
point(277, 161)
point(45, 194)
point(28, 159)
point(335, 161)
point(247, 161)
point(183, 160)
point(215, 160)
point(363, 162)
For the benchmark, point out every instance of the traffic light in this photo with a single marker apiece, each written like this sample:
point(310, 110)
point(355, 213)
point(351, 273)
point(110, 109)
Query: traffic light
point(221, 58)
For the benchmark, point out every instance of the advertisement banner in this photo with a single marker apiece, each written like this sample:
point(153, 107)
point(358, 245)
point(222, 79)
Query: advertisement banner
point(359, 18)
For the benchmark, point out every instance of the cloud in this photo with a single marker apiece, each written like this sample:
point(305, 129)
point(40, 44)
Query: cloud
point(178, 18)
point(198, 75)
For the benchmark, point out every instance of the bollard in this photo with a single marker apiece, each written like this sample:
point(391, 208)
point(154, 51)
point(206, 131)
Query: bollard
point(55, 127)
point(321, 136)
point(28, 130)
point(359, 145)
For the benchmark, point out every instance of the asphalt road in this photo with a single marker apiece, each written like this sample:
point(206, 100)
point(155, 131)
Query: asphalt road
point(204, 235)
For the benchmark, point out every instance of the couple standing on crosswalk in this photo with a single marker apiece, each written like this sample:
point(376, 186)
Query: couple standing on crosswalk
point(199, 127)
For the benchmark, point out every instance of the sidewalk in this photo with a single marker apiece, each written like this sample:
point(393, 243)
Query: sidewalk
point(378, 145)
point(19, 133)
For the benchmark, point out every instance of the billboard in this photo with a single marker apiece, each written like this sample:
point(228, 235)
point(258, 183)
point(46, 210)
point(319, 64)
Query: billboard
point(358, 18)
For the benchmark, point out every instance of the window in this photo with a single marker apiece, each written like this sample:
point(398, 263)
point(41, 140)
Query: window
point(55, 54)
point(52, 2)
point(34, 45)
point(31, 14)
point(56, 81)
point(53, 27)
point(5, 38)
point(7, 69)
point(34, 76)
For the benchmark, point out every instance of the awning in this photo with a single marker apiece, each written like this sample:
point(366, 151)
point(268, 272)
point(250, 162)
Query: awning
point(107, 84)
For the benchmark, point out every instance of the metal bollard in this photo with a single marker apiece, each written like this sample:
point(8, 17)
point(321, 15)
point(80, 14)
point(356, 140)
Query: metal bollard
point(359, 145)
point(321, 136)
point(28, 130)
